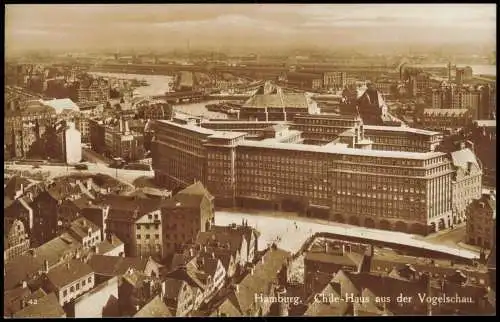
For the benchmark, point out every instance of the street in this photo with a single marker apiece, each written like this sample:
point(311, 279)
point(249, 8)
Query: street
point(127, 176)
point(291, 233)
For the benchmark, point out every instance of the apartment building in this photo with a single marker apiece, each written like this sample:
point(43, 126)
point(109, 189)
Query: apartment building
point(481, 221)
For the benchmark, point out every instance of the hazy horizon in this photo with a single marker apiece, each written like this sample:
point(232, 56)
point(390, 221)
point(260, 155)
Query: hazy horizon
point(232, 26)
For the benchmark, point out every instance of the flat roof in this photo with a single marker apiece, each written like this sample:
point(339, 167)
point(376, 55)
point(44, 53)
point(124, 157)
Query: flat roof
point(226, 135)
point(341, 149)
point(486, 123)
point(190, 126)
point(400, 129)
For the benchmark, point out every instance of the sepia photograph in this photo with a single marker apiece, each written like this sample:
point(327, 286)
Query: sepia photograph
point(249, 160)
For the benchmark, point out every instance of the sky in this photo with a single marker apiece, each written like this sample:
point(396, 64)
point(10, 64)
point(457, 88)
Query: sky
point(169, 26)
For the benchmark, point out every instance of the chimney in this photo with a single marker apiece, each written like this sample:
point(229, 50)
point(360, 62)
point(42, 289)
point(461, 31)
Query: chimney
point(327, 247)
point(68, 265)
point(22, 188)
point(262, 259)
point(46, 266)
point(24, 284)
point(84, 223)
point(191, 252)
point(89, 184)
point(205, 248)
point(96, 249)
point(252, 270)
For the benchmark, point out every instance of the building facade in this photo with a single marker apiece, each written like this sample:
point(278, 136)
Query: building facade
point(405, 191)
point(16, 239)
point(481, 221)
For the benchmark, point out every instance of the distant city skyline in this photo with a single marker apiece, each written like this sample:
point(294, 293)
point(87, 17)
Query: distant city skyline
point(170, 26)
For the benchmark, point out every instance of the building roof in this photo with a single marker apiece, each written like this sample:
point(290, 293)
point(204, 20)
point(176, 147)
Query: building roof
point(61, 105)
point(486, 123)
point(107, 246)
point(189, 126)
point(463, 157)
point(14, 185)
point(351, 259)
point(445, 111)
point(57, 248)
point(189, 275)
point(156, 308)
point(114, 265)
point(45, 307)
point(264, 274)
point(400, 129)
point(227, 135)
point(319, 308)
point(82, 226)
point(127, 208)
point(339, 149)
point(68, 272)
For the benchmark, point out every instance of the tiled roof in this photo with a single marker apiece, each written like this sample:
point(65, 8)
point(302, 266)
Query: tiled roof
point(264, 273)
point(57, 248)
point(127, 207)
point(319, 308)
point(115, 266)
point(188, 275)
point(106, 246)
point(156, 308)
point(68, 272)
point(172, 289)
point(227, 308)
point(223, 239)
point(352, 259)
point(81, 226)
point(14, 185)
point(45, 307)
point(207, 264)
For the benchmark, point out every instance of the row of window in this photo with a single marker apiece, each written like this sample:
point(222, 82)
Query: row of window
point(76, 287)
point(148, 236)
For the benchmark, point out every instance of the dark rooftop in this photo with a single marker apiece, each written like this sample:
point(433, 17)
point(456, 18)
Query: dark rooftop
point(68, 272)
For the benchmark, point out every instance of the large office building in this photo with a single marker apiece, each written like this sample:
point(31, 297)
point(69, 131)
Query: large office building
point(345, 180)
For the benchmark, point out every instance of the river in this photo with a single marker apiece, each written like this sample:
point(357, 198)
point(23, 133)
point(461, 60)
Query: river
point(476, 69)
point(157, 84)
